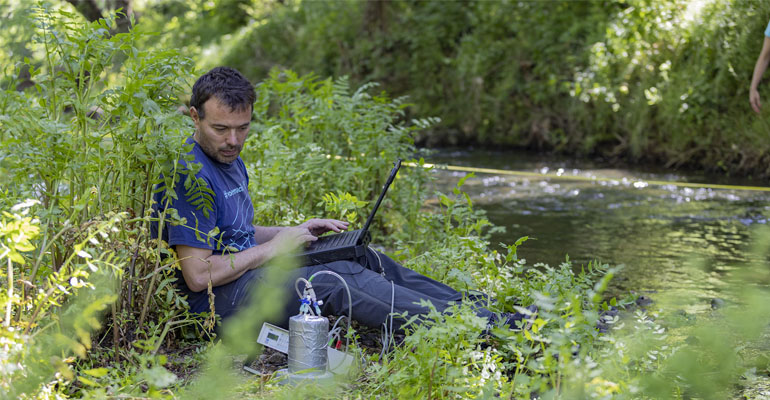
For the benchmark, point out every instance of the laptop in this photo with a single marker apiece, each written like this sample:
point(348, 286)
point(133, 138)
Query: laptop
point(347, 245)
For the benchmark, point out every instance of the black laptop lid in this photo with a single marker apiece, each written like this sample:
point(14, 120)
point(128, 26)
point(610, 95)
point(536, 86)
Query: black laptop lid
point(392, 176)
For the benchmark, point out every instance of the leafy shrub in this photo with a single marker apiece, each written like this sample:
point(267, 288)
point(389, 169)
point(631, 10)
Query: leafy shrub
point(314, 137)
point(644, 80)
point(100, 204)
point(318, 146)
point(89, 144)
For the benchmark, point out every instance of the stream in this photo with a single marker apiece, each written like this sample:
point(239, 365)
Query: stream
point(671, 240)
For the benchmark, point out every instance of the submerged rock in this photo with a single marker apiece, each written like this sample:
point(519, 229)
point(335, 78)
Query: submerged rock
point(643, 301)
point(717, 303)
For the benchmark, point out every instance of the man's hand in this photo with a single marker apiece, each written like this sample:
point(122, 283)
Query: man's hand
point(759, 69)
point(290, 238)
point(318, 227)
point(754, 100)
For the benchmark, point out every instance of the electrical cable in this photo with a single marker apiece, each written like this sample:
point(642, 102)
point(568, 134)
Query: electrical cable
point(336, 330)
point(334, 334)
point(341, 317)
point(379, 261)
point(387, 332)
point(392, 304)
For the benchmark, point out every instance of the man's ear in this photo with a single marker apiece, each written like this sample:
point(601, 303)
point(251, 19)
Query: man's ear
point(196, 120)
point(194, 115)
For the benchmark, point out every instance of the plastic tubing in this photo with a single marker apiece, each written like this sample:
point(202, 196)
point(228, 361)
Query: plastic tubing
point(296, 286)
point(350, 298)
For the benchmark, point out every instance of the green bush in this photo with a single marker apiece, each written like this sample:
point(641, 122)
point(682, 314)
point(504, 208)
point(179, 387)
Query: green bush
point(87, 144)
point(81, 247)
point(643, 80)
point(314, 139)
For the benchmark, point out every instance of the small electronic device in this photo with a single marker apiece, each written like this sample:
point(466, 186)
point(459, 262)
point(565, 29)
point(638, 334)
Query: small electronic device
point(274, 337)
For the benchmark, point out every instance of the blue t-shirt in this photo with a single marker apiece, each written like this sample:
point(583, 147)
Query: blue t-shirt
point(231, 209)
point(767, 30)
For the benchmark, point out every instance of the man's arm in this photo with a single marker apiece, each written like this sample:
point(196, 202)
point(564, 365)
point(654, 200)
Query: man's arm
point(317, 227)
point(264, 234)
point(199, 266)
point(759, 69)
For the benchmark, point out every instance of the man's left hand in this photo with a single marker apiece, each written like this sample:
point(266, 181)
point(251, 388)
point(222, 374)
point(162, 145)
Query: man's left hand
point(318, 227)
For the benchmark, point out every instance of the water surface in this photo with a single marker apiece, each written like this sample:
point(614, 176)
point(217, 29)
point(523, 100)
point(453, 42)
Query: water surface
point(670, 239)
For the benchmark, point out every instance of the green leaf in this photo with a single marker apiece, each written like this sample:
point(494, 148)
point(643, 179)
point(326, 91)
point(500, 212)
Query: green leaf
point(87, 381)
point(96, 372)
point(465, 178)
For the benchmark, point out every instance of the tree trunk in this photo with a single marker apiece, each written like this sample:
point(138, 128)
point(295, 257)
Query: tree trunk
point(91, 11)
point(375, 18)
point(88, 8)
point(124, 19)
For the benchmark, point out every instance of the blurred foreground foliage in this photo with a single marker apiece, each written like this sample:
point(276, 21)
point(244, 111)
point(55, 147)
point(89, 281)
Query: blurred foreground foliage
point(88, 301)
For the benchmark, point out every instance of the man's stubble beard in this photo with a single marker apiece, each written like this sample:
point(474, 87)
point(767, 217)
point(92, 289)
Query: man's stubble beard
point(212, 152)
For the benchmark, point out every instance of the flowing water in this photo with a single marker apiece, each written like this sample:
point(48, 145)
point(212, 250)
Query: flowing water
point(671, 240)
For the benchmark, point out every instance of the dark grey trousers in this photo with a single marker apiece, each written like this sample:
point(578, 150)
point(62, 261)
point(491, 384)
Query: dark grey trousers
point(370, 291)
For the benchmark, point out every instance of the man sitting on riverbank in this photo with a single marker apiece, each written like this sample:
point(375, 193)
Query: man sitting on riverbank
point(221, 109)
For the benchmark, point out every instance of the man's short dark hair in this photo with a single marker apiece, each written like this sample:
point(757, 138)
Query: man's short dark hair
point(226, 84)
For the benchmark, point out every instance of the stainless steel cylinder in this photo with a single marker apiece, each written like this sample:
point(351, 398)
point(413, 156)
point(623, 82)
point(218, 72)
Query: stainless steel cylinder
point(308, 335)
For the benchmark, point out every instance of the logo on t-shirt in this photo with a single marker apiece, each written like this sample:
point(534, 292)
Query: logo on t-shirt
point(238, 233)
point(235, 191)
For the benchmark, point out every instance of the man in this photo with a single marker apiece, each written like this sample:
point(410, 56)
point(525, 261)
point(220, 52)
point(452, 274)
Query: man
point(232, 261)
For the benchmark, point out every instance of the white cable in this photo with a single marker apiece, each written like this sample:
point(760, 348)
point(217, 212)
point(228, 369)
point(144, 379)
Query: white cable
point(296, 287)
point(350, 299)
point(392, 304)
point(382, 270)
point(388, 332)
point(341, 317)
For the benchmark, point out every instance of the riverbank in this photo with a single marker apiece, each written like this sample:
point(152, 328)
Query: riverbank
point(658, 82)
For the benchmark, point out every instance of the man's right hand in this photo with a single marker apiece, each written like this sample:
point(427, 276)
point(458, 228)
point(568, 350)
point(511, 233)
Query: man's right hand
point(754, 100)
point(290, 238)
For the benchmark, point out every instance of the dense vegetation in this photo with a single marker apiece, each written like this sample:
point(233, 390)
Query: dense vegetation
point(645, 80)
point(641, 80)
point(88, 301)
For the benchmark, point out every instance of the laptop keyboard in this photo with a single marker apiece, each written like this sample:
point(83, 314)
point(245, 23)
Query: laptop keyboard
point(337, 240)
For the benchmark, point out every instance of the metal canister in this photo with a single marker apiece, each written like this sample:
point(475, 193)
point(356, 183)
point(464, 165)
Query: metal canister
point(308, 335)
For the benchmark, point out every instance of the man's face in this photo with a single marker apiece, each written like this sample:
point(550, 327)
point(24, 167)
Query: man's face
point(222, 131)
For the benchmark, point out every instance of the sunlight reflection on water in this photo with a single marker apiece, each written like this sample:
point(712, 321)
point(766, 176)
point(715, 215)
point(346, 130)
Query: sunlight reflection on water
point(669, 238)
